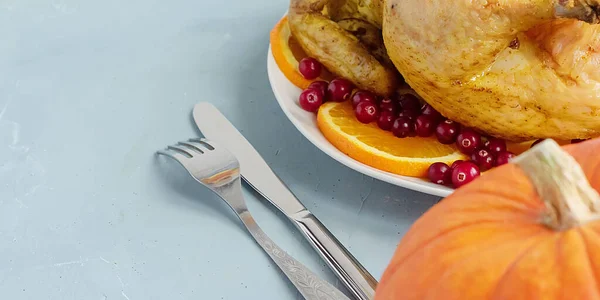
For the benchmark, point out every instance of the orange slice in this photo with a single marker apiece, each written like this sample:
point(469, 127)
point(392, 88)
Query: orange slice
point(287, 54)
point(380, 149)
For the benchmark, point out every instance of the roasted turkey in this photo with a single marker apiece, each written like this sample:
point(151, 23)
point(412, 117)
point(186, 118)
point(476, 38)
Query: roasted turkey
point(514, 69)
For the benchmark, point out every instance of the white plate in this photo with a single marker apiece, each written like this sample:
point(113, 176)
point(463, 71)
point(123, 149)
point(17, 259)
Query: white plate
point(287, 95)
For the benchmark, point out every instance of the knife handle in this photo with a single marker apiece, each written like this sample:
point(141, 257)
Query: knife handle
point(352, 274)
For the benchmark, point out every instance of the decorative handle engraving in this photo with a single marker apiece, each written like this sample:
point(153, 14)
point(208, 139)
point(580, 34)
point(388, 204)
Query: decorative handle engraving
point(307, 283)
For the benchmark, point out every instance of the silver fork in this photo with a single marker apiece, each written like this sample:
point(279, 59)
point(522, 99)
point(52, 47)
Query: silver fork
point(217, 169)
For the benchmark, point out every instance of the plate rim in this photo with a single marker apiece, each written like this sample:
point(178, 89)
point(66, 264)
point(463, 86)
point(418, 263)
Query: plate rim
point(411, 183)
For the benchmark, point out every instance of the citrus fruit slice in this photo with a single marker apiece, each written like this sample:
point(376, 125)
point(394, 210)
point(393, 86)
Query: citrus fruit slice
point(287, 54)
point(380, 149)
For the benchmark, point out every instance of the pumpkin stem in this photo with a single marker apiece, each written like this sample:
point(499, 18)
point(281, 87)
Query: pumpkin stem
point(561, 184)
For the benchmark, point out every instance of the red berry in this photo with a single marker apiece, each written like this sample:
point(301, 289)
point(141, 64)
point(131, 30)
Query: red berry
point(503, 158)
point(385, 120)
point(311, 99)
point(456, 163)
point(319, 84)
point(339, 90)
point(468, 140)
point(440, 173)
point(403, 127)
point(411, 114)
point(388, 104)
point(483, 158)
point(309, 67)
point(409, 102)
point(576, 141)
point(464, 173)
point(366, 112)
point(536, 142)
point(428, 110)
point(363, 96)
point(495, 145)
point(425, 125)
point(447, 131)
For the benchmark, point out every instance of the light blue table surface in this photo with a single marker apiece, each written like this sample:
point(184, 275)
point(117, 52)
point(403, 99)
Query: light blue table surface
point(89, 90)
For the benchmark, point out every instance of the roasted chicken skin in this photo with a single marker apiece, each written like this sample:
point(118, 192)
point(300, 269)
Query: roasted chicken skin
point(513, 69)
point(347, 41)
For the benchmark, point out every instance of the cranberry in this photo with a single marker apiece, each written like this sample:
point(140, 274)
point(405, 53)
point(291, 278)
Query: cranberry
point(411, 114)
point(503, 158)
point(468, 140)
point(409, 102)
point(464, 173)
point(447, 132)
point(385, 120)
point(428, 110)
point(536, 142)
point(366, 112)
point(309, 67)
point(456, 163)
point(440, 173)
point(576, 141)
point(339, 90)
point(311, 99)
point(363, 96)
point(483, 158)
point(403, 127)
point(495, 145)
point(425, 125)
point(388, 104)
point(319, 84)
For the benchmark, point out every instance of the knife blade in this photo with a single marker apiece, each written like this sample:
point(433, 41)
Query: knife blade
point(257, 173)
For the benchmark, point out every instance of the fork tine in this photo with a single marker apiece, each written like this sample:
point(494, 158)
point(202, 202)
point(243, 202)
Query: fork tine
point(173, 154)
point(203, 142)
point(191, 146)
point(181, 150)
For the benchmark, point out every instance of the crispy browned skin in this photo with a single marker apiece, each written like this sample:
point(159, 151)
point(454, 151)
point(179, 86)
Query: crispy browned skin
point(369, 36)
point(369, 10)
point(340, 51)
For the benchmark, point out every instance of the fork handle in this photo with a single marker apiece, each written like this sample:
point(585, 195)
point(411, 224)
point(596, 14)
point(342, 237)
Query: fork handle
point(308, 284)
point(355, 277)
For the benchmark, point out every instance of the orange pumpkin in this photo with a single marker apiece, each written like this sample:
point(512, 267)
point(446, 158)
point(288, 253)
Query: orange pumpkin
point(526, 230)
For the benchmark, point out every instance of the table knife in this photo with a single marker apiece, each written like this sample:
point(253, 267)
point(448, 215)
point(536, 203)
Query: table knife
point(257, 173)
